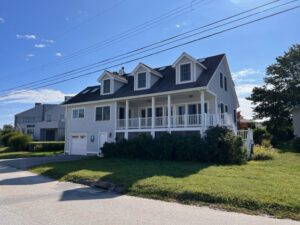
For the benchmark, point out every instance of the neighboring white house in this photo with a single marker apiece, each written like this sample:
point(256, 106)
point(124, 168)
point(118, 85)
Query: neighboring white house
point(44, 122)
point(296, 121)
point(186, 97)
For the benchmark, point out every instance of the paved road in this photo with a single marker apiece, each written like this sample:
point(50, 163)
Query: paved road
point(24, 163)
point(28, 199)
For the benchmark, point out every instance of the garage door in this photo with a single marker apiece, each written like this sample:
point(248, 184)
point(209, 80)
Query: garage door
point(78, 144)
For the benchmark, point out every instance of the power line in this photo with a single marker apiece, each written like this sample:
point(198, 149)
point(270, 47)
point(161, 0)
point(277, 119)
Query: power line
point(163, 50)
point(138, 28)
point(112, 59)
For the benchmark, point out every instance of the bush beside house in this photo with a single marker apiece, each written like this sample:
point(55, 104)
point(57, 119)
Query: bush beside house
point(218, 146)
point(19, 142)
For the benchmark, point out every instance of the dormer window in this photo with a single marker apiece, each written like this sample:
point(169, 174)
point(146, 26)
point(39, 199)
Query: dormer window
point(188, 69)
point(106, 86)
point(185, 72)
point(142, 80)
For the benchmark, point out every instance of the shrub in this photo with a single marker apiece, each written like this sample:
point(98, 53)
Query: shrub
point(220, 146)
point(19, 142)
point(224, 147)
point(46, 146)
point(296, 144)
point(259, 134)
point(5, 138)
point(263, 153)
point(266, 143)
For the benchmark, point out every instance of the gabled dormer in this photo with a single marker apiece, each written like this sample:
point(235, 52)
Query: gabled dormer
point(144, 77)
point(187, 68)
point(111, 82)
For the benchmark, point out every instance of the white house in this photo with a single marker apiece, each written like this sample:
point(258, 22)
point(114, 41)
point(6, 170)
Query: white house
point(186, 97)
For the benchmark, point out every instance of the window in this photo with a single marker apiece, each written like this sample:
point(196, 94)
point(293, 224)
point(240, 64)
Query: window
point(30, 131)
point(226, 108)
point(106, 86)
point(142, 80)
point(221, 80)
point(185, 72)
point(222, 107)
point(48, 118)
point(103, 113)
point(225, 83)
point(78, 113)
point(205, 108)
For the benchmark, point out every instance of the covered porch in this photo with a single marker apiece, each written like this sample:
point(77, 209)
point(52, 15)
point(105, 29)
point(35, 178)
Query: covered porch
point(186, 111)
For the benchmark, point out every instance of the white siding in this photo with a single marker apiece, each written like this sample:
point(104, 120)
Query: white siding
point(88, 125)
point(226, 97)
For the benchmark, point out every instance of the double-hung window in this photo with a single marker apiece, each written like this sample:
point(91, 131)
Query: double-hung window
point(225, 83)
point(221, 80)
point(103, 113)
point(185, 72)
point(78, 113)
point(106, 86)
point(141, 80)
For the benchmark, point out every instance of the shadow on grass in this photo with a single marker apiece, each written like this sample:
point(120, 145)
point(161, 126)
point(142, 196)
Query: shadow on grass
point(122, 172)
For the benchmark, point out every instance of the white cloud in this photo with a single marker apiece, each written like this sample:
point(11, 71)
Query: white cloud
point(58, 54)
point(32, 96)
point(245, 73)
point(40, 45)
point(2, 20)
point(246, 108)
point(49, 41)
point(245, 89)
point(30, 55)
point(26, 36)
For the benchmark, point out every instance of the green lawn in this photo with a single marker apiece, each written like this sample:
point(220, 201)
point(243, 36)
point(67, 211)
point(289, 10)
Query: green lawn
point(271, 187)
point(6, 153)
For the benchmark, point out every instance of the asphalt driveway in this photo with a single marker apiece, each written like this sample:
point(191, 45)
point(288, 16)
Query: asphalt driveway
point(24, 163)
point(28, 199)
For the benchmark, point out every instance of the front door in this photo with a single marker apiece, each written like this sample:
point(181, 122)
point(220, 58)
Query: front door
point(103, 137)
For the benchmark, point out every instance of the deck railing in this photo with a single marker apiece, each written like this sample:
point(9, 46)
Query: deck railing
point(177, 121)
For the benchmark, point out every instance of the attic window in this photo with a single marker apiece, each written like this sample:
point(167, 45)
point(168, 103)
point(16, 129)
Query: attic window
point(86, 91)
point(142, 80)
point(94, 90)
point(106, 86)
point(185, 72)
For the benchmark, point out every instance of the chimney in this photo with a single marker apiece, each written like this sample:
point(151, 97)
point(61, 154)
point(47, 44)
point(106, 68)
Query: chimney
point(38, 103)
point(122, 71)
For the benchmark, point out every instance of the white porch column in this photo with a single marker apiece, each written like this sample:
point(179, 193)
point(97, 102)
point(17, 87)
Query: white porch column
point(216, 112)
point(202, 112)
point(153, 116)
point(126, 118)
point(169, 113)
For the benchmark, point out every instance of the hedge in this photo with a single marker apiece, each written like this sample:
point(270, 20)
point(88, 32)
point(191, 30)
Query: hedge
point(19, 142)
point(218, 146)
point(5, 138)
point(46, 146)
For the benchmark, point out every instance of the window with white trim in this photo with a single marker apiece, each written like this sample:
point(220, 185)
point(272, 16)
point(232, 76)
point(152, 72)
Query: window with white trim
point(221, 80)
point(106, 86)
point(185, 72)
point(103, 113)
point(78, 113)
point(141, 82)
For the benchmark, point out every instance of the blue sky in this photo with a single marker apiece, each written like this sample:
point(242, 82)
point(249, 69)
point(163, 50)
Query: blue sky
point(37, 36)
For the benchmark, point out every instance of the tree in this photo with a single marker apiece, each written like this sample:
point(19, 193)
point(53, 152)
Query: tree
point(280, 93)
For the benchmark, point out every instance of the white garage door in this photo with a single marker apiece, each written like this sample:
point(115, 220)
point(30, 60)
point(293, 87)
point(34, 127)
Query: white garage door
point(78, 144)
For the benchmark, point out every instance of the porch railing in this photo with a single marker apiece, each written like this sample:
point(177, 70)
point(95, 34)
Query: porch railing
point(177, 121)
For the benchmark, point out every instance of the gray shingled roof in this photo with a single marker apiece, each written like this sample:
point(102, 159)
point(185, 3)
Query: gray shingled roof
point(167, 83)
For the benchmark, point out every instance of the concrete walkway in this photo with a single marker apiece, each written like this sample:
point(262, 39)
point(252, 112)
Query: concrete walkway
point(28, 199)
